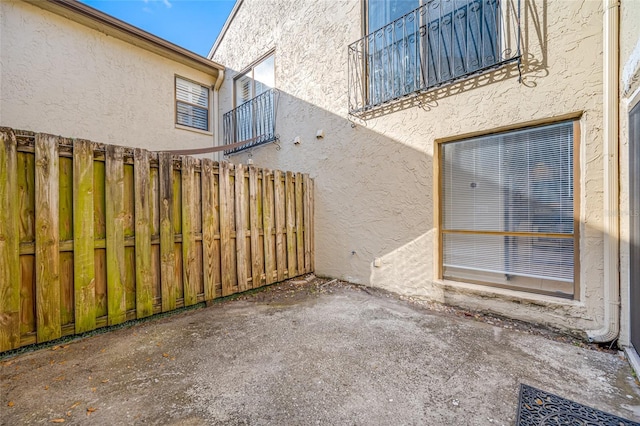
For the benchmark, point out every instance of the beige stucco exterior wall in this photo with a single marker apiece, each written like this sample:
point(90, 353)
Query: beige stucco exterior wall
point(58, 76)
point(629, 97)
point(373, 180)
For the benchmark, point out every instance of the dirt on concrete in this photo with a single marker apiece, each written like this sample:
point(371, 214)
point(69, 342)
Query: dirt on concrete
point(310, 351)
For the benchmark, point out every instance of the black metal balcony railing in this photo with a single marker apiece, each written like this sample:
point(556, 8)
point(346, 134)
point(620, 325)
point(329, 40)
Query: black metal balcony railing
point(437, 43)
point(253, 122)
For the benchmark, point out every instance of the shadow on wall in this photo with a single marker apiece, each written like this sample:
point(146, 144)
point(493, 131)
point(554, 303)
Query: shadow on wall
point(373, 193)
point(533, 66)
point(374, 199)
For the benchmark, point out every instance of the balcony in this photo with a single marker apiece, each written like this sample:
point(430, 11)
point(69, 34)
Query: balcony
point(438, 43)
point(252, 123)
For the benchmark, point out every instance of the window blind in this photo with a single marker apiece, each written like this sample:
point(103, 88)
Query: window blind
point(507, 207)
point(243, 89)
point(192, 104)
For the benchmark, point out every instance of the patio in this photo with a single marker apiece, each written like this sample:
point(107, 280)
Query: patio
point(309, 351)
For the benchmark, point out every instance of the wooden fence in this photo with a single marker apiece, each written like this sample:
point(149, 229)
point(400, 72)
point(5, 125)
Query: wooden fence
point(93, 235)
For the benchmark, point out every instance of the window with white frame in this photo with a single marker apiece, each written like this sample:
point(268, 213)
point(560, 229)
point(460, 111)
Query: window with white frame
point(192, 104)
point(507, 209)
point(256, 80)
point(253, 118)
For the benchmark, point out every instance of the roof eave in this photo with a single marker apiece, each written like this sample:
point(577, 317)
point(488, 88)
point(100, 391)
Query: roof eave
point(225, 27)
point(100, 21)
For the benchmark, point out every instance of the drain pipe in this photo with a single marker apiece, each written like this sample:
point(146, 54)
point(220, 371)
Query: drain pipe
point(216, 112)
point(609, 331)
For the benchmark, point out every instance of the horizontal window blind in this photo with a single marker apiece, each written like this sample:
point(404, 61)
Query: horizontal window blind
point(192, 104)
point(189, 115)
point(507, 205)
point(192, 93)
point(243, 89)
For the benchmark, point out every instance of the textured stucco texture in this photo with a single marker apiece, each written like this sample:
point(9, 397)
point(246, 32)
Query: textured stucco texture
point(61, 77)
point(374, 182)
point(321, 354)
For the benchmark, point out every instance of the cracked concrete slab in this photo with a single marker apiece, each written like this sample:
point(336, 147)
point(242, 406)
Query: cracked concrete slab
point(307, 354)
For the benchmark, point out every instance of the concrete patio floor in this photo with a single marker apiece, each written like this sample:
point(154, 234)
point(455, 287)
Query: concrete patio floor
point(307, 353)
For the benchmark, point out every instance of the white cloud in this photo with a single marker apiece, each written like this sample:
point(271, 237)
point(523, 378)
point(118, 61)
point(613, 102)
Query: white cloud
point(167, 3)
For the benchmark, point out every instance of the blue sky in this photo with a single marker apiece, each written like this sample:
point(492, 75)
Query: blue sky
point(192, 24)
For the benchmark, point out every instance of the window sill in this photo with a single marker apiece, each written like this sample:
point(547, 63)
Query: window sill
point(506, 294)
point(193, 129)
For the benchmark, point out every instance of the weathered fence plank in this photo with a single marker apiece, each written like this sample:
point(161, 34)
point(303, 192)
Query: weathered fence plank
point(100, 234)
point(312, 224)
point(167, 258)
point(65, 225)
point(9, 244)
point(307, 222)
point(144, 278)
point(26, 224)
point(177, 229)
point(255, 214)
point(241, 240)
point(48, 325)
point(154, 222)
point(280, 215)
point(129, 235)
point(217, 249)
point(268, 222)
point(227, 266)
point(290, 201)
point(209, 229)
point(115, 213)
point(84, 282)
point(299, 225)
point(103, 234)
point(189, 205)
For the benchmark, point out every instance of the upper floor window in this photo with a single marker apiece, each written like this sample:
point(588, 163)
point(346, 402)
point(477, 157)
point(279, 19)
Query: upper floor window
point(381, 12)
point(416, 45)
point(259, 78)
point(252, 121)
point(192, 104)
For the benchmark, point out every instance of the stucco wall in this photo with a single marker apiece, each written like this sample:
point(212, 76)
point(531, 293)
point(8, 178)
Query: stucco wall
point(374, 186)
point(60, 77)
point(629, 96)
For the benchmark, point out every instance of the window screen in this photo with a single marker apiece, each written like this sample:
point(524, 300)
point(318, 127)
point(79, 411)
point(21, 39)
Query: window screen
point(192, 104)
point(507, 209)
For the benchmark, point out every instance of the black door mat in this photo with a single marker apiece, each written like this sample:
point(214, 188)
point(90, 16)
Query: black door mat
point(540, 408)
